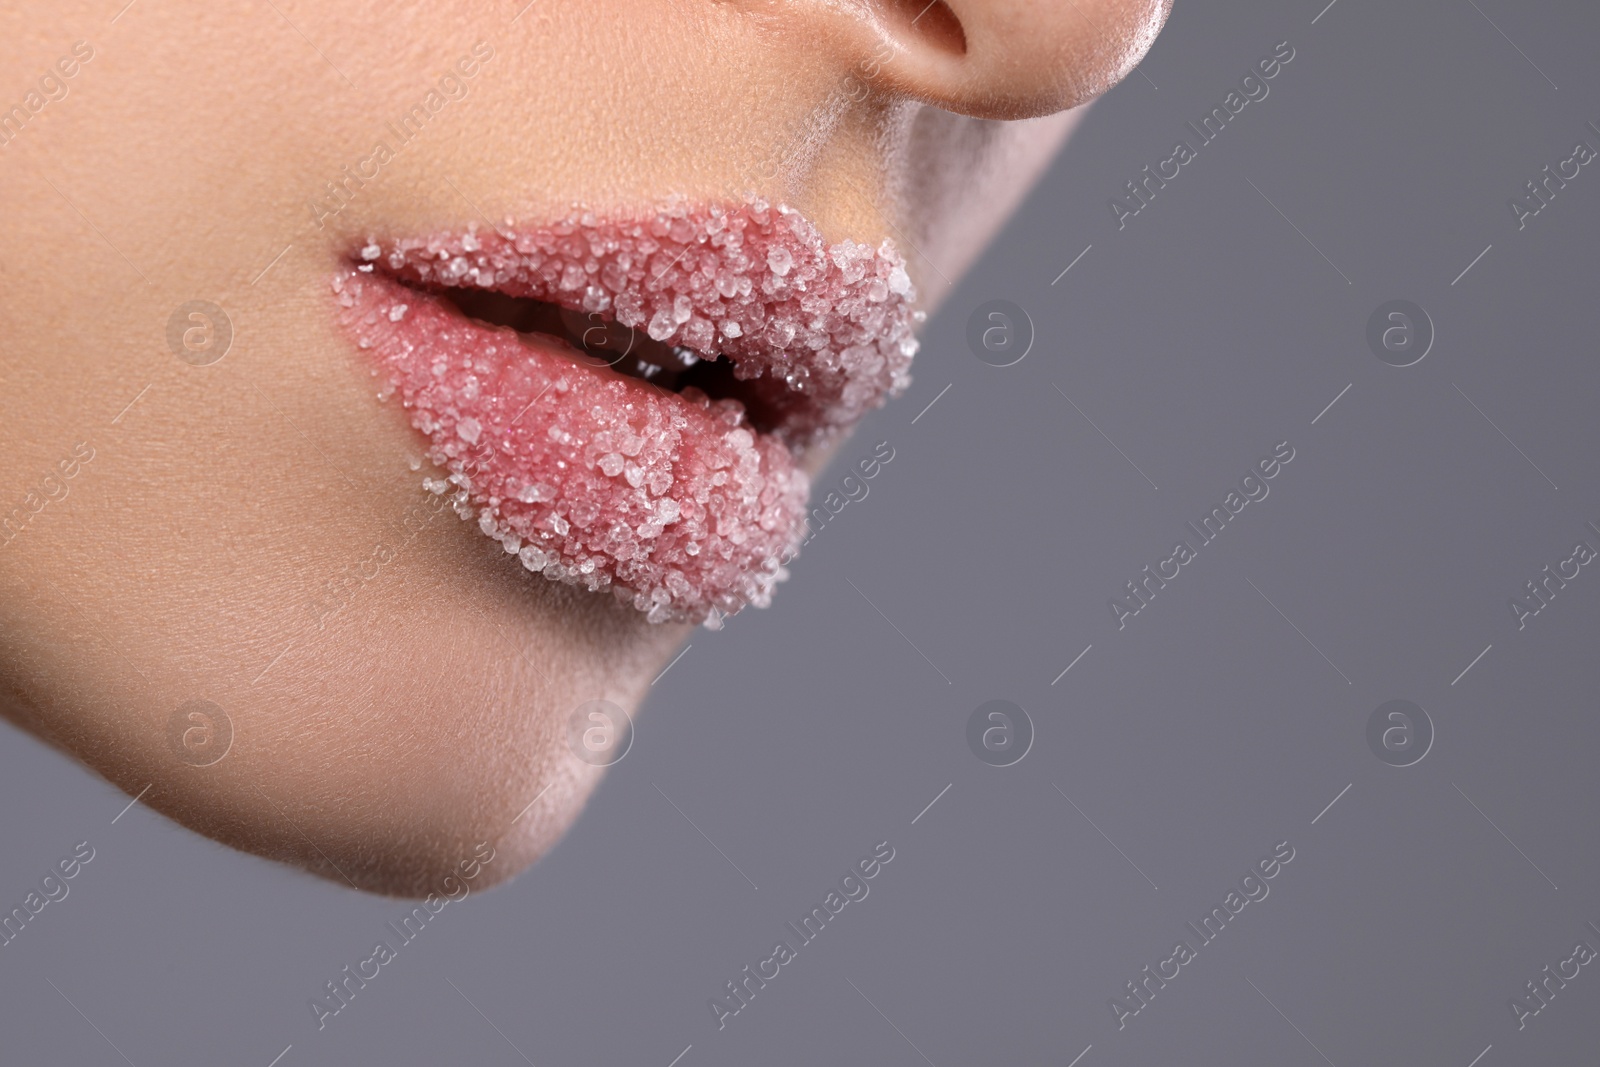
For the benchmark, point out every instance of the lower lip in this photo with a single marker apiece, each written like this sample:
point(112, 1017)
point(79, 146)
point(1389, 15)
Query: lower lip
point(590, 477)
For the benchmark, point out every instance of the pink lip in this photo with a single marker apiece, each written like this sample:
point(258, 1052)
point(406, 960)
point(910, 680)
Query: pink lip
point(672, 500)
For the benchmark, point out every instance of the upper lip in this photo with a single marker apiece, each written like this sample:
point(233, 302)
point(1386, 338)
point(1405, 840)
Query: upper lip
point(807, 337)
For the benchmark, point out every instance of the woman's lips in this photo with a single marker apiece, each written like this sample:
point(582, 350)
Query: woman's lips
point(673, 499)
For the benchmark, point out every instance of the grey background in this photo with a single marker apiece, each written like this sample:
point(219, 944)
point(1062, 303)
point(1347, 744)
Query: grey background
point(1209, 729)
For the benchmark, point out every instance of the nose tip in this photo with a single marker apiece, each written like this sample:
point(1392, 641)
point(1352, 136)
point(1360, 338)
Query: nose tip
point(1011, 58)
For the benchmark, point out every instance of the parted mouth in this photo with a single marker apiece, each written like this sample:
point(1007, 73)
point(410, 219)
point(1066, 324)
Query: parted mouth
point(623, 404)
point(598, 341)
point(746, 305)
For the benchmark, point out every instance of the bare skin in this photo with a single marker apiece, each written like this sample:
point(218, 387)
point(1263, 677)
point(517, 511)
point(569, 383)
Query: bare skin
point(382, 730)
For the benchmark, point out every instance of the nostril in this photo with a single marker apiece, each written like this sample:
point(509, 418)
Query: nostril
point(929, 21)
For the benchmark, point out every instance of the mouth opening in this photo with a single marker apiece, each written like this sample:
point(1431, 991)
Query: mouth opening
point(721, 342)
point(599, 342)
point(743, 309)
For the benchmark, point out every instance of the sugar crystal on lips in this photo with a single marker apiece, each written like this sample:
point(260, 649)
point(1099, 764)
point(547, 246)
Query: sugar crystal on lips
point(756, 284)
point(671, 500)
